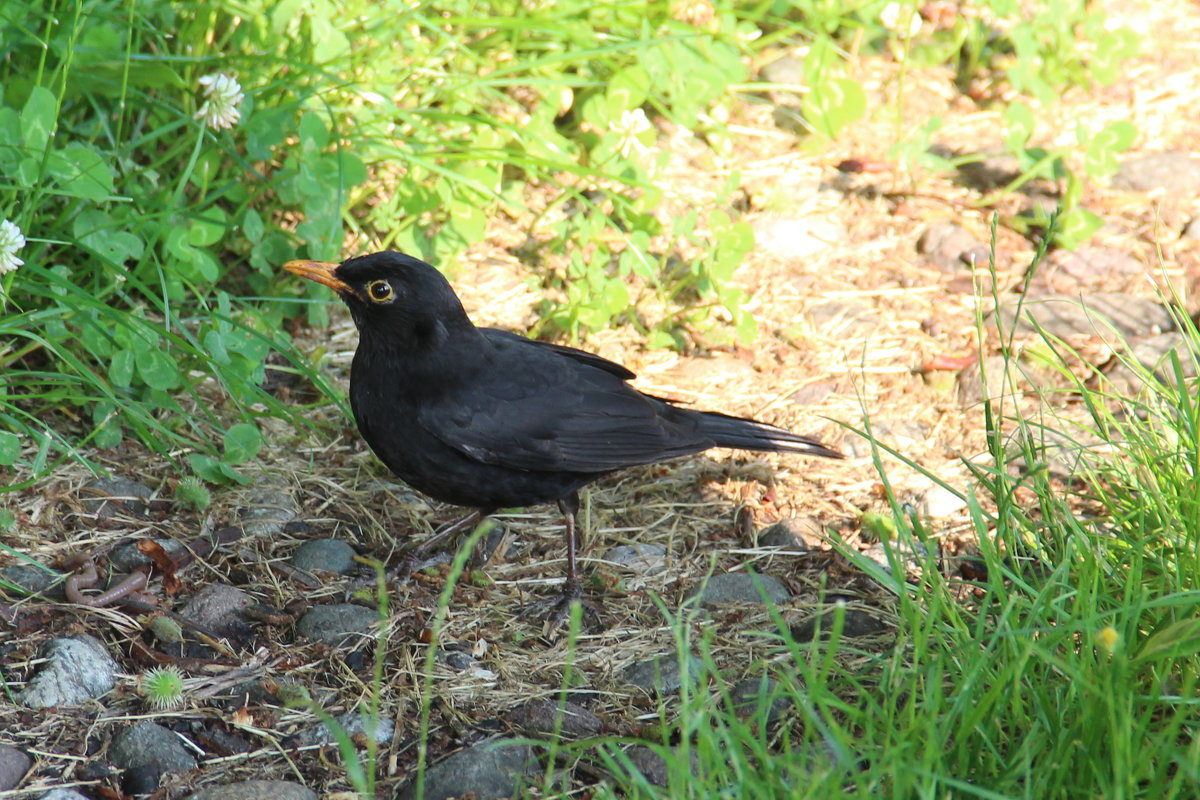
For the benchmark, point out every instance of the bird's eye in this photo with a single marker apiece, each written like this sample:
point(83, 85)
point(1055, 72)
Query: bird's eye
point(380, 291)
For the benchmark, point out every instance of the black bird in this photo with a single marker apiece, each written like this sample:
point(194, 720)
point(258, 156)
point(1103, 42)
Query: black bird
point(488, 419)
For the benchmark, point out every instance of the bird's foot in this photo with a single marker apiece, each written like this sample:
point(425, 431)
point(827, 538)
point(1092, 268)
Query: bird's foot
point(555, 612)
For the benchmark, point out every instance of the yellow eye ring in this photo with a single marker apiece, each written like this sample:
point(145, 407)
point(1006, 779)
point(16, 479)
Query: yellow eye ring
point(380, 291)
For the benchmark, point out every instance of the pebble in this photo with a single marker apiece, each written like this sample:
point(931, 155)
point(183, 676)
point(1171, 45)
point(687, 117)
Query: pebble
point(217, 608)
point(1062, 315)
point(793, 533)
point(786, 70)
point(487, 771)
point(644, 559)
point(1177, 173)
point(34, 580)
point(751, 697)
point(661, 675)
point(1153, 353)
point(127, 557)
point(353, 724)
point(255, 790)
point(14, 764)
point(1090, 269)
point(938, 501)
point(543, 717)
point(855, 623)
point(990, 169)
point(837, 320)
point(334, 624)
point(652, 765)
point(267, 509)
point(909, 553)
point(106, 498)
point(739, 587)
point(77, 669)
point(325, 555)
point(147, 745)
point(952, 248)
point(62, 794)
point(902, 435)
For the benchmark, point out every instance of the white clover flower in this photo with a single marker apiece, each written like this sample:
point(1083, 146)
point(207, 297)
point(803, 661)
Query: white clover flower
point(11, 240)
point(895, 15)
point(222, 94)
point(630, 128)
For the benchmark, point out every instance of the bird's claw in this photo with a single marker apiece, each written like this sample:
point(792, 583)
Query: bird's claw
point(555, 612)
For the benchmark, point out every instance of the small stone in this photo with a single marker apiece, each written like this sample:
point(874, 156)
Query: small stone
point(740, 587)
point(324, 555)
point(908, 552)
point(77, 669)
point(812, 393)
point(661, 675)
point(352, 724)
point(14, 764)
point(127, 557)
point(1064, 316)
point(645, 559)
point(786, 70)
point(793, 533)
point(62, 794)
point(1153, 353)
point(903, 435)
point(938, 501)
point(267, 509)
point(488, 771)
point(149, 745)
point(542, 717)
point(838, 320)
point(751, 696)
point(652, 765)
point(217, 609)
point(1177, 173)
point(952, 248)
point(34, 580)
point(990, 169)
point(334, 624)
point(255, 790)
point(855, 623)
point(106, 498)
point(1090, 269)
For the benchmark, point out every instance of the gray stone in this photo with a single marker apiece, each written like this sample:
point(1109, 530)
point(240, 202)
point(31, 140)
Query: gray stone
point(334, 624)
point(740, 587)
point(793, 533)
point(645, 559)
point(652, 765)
point(909, 553)
point(34, 580)
point(544, 717)
point(324, 555)
point(62, 794)
point(786, 70)
point(1153, 353)
point(838, 320)
point(217, 608)
point(352, 724)
point(662, 675)
point(128, 556)
point(489, 771)
point(1099, 314)
point(1089, 270)
point(1177, 173)
point(267, 509)
point(855, 623)
point(754, 696)
point(106, 498)
point(14, 764)
point(77, 669)
point(951, 248)
point(149, 745)
point(938, 501)
point(255, 790)
point(990, 169)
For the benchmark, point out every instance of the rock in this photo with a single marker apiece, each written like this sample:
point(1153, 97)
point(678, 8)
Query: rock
point(77, 669)
point(812, 393)
point(797, 237)
point(793, 533)
point(990, 169)
point(952, 248)
point(267, 509)
point(843, 320)
point(334, 624)
point(855, 623)
point(938, 501)
point(644, 559)
point(1089, 270)
point(1177, 173)
point(909, 553)
point(487, 771)
point(62, 794)
point(790, 118)
point(740, 587)
point(902, 435)
point(353, 725)
point(217, 609)
point(324, 555)
point(786, 70)
point(1153, 353)
point(106, 498)
point(543, 717)
point(652, 765)
point(661, 675)
point(999, 387)
point(255, 790)
point(147, 745)
point(14, 764)
point(127, 557)
point(751, 697)
point(34, 580)
point(1098, 314)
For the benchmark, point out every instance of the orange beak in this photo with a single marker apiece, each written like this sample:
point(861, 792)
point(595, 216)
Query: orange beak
point(319, 271)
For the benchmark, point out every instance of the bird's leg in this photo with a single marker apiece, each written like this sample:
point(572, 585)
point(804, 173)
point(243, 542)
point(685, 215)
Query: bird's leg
point(557, 610)
point(418, 558)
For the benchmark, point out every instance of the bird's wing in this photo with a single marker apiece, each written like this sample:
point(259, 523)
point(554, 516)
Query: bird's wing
point(582, 356)
point(552, 412)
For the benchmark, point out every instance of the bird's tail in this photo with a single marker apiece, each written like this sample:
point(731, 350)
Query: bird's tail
point(747, 434)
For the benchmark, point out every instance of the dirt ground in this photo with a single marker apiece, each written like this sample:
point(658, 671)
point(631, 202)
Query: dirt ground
point(854, 323)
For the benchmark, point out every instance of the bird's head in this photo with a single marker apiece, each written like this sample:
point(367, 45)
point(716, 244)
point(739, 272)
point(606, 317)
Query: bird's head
point(391, 295)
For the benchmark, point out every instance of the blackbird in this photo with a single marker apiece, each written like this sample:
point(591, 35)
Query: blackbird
point(484, 418)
